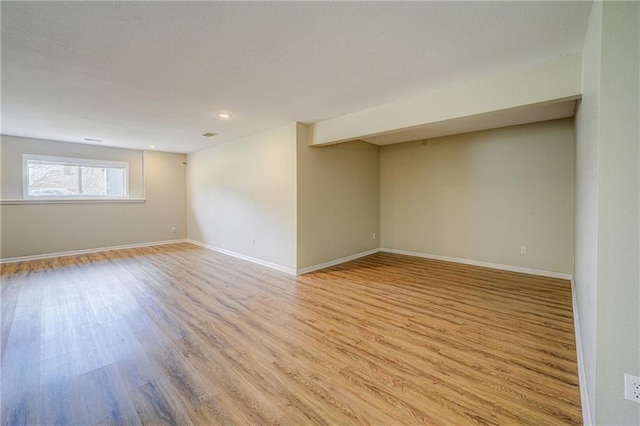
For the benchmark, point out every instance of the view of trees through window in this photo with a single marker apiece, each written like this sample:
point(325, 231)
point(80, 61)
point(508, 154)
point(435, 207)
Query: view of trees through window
point(60, 179)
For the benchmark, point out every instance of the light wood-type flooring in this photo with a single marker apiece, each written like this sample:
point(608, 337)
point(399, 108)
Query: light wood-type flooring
point(178, 334)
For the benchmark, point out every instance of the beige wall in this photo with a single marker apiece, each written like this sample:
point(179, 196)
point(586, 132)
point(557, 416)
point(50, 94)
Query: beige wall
point(338, 199)
point(618, 293)
point(242, 196)
point(586, 210)
point(481, 196)
point(607, 273)
point(34, 229)
point(618, 307)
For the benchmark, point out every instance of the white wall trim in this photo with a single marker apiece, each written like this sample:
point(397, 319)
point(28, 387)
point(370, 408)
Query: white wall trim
point(275, 266)
point(336, 261)
point(510, 268)
point(582, 378)
point(88, 251)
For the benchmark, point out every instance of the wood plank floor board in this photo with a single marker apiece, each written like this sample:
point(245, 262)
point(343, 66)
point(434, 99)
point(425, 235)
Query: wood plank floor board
point(177, 334)
point(156, 404)
point(21, 373)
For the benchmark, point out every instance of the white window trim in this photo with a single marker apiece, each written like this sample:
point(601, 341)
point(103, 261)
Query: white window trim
point(71, 161)
point(16, 201)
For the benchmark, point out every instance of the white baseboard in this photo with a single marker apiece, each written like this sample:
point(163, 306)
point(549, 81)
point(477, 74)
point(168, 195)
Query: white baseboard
point(582, 378)
point(510, 268)
point(245, 257)
point(280, 267)
point(336, 261)
point(88, 251)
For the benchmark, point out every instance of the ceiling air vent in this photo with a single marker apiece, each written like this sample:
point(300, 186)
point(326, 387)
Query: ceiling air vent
point(208, 134)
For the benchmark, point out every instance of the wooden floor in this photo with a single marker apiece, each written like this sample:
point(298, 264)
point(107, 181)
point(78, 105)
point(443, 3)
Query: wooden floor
point(178, 334)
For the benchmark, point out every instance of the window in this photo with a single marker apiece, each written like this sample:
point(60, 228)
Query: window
point(57, 177)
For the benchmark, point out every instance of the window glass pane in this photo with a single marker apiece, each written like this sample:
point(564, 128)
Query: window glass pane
point(93, 181)
point(116, 182)
point(65, 178)
point(47, 179)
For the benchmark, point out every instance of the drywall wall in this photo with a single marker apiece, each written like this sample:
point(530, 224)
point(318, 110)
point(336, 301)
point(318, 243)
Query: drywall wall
point(550, 82)
point(242, 196)
point(481, 196)
point(618, 329)
point(586, 208)
point(338, 200)
point(607, 275)
point(31, 229)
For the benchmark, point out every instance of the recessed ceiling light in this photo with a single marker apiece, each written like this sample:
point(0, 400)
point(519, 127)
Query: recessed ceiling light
point(224, 115)
point(93, 140)
point(152, 146)
point(209, 134)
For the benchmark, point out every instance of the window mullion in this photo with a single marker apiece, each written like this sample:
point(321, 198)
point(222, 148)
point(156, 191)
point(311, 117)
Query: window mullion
point(80, 180)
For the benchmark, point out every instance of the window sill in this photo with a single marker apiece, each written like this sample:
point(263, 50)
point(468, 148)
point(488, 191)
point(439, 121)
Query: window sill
point(72, 201)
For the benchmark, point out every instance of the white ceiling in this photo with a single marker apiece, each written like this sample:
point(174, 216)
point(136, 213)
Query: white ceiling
point(136, 74)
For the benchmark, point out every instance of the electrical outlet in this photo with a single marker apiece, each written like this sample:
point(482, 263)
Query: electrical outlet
point(253, 242)
point(173, 229)
point(632, 388)
point(373, 236)
point(523, 249)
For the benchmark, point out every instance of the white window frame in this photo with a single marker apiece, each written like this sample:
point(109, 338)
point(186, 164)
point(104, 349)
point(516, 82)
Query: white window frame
point(70, 161)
